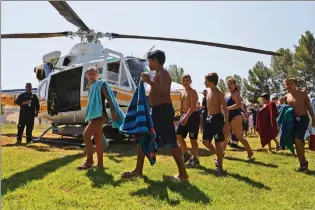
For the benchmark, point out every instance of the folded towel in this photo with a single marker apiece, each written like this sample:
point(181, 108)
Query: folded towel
point(94, 108)
point(138, 122)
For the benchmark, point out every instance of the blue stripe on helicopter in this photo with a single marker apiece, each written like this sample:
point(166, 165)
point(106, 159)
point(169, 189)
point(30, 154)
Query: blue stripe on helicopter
point(34, 90)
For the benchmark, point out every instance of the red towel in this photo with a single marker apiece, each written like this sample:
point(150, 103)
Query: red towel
point(266, 123)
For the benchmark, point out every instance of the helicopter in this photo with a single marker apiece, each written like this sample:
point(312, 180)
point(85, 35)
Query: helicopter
point(62, 85)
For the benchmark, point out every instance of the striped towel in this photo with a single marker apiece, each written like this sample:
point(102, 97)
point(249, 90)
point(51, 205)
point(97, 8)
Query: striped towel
point(138, 122)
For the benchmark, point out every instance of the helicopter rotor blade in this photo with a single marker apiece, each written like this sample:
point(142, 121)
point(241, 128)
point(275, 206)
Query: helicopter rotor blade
point(33, 35)
point(213, 44)
point(67, 12)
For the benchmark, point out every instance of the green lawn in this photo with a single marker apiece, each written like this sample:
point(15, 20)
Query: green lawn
point(42, 177)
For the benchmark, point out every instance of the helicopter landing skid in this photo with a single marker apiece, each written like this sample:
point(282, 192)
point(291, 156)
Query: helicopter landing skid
point(40, 139)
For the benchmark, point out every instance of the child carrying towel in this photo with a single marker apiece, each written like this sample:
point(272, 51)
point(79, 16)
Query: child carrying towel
point(96, 115)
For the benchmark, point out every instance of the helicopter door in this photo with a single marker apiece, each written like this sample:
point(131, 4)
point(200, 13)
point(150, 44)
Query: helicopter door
point(116, 72)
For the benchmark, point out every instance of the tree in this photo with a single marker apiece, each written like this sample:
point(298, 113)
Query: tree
point(222, 86)
point(304, 61)
point(260, 80)
point(176, 73)
point(282, 67)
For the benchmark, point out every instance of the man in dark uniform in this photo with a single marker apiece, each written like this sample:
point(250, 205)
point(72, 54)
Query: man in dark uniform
point(29, 104)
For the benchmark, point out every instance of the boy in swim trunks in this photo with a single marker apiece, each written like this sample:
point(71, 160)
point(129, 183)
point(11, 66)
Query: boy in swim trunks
point(189, 122)
point(215, 126)
point(300, 103)
point(162, 115)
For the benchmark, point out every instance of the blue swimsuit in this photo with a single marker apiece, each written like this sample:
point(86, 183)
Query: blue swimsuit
point(235, 112)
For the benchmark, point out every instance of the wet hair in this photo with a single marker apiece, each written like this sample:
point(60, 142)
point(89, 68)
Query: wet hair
point(158, 55)
point(234, 82)
point(91, 68)
point(186, 76)
point(212, 77)
point(292, 79)
point(266, 96)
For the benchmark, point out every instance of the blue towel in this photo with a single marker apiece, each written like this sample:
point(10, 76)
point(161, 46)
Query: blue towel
point(286, 122)
point(138, 122)
point(94, 108)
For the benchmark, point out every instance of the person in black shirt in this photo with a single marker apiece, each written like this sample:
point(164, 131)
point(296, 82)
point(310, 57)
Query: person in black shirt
point(254, 111)
point(29, 104)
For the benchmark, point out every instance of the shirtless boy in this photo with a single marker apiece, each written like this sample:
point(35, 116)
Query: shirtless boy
point(300, 103)
point(162, 115)
point(215, 125)
point(189, 122)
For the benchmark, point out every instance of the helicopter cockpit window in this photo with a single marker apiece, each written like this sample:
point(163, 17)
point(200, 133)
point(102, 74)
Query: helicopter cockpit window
point(123, 78)
point(136, 67)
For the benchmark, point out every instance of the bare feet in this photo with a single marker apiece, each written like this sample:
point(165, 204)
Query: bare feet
point(131, 174)
point(250, 155)
point(85, 166)
point(176, 178)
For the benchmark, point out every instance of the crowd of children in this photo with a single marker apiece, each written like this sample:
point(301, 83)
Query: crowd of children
point(221, 117)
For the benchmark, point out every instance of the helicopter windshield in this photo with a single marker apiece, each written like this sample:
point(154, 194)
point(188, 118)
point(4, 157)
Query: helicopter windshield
point(136, 67)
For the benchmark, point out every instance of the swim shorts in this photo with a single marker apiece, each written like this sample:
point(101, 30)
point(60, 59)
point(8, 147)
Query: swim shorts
point(191, 127)
point(214, 128)
point(163, 121)
point(301, 124)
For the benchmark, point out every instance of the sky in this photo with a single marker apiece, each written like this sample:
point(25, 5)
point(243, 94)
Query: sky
point(263, 25)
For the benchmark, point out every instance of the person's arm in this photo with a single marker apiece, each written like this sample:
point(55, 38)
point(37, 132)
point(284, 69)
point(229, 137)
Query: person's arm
point(181, 105)
point(193, 105)
point(224, 107)
point(20, 102)
point(110, 102)
point(237, 98)
point(164, 86)
point(309, 106)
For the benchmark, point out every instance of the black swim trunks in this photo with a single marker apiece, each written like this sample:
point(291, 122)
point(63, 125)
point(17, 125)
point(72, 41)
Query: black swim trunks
point(191, 127)
point(214, 128)
point(301, 124)
point(163, 121)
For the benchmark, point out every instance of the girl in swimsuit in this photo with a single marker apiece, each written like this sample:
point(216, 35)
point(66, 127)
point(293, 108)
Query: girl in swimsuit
point(233, 101)
point(95, 126)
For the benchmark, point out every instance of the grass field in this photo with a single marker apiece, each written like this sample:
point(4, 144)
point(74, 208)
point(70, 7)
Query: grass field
point(40, 176)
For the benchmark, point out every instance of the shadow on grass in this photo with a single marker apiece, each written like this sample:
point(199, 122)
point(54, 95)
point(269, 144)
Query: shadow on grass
point(99, 177)
point(158, 190)
point(114, 159)
point(252, 162)
point(308, 172)
point(275, 153)
point(239, 177)
point(36, 173)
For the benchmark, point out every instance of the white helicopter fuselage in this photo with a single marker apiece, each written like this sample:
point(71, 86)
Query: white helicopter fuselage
point(63, 95)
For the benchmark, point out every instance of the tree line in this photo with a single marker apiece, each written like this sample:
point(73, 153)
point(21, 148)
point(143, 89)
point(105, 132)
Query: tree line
point(299, 63)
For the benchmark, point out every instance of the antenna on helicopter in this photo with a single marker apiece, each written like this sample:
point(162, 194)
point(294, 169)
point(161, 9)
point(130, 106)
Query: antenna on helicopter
point(146, 54)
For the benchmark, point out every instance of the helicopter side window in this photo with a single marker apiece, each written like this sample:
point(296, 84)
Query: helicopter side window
point(113, 72)
point(42, 91)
